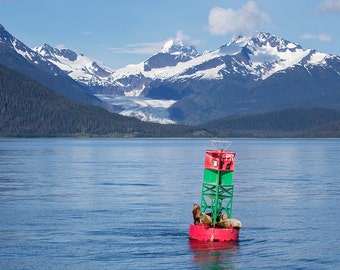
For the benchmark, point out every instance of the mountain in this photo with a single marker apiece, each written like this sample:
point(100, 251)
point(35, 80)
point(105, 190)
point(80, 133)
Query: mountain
point(171, 55)
point(16, 55)
point(250, 74)
point(83, 69)
point(243, 58)
point(121, 91)
point(263, 74)
point(29, 109)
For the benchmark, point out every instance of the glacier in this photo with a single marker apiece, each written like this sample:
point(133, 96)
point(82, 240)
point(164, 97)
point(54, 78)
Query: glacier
point(143, 108)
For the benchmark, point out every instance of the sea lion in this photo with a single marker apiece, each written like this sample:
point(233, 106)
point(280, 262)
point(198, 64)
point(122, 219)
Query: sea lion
point(227, 222)
point(196, 211)
point(206, 219)
point(200, 217)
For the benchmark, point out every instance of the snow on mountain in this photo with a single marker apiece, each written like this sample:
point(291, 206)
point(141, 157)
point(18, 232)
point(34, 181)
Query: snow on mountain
point(26, 52)
point(256, 57)
point(270, 54)
point(250, 58)
point(78, 66)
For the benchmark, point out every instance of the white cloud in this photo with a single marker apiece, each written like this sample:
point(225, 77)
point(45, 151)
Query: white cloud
point(324, 37)
point(150, 48)
point(186, 40)
point(181, 37)
point(321, 37)
point(308, 36)
point(330, 6)
point(247, 18)
point(140, 48)
point(60, 46)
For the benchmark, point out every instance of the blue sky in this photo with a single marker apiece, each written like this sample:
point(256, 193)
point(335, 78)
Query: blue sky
point(128, 32)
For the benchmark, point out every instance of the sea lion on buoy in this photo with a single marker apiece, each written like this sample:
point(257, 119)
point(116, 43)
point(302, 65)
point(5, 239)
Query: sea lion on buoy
point(206, 219)
point(196, 213)
point(226, 222)
point(200, 217)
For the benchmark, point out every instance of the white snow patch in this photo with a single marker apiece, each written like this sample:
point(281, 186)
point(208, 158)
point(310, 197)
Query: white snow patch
point(145, 109)
point(291, 46)
point(134, 93)
point(318, 58)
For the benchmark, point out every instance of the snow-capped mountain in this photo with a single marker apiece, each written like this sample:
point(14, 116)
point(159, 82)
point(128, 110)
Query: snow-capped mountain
point(17, 56)
point(171, 55)
point(122, 94)
point(243, 63)
point(19, 47)
point(255, 58)
point(79, 67)
point(258, 73)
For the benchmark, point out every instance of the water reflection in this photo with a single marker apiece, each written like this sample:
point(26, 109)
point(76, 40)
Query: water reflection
point(214, 255)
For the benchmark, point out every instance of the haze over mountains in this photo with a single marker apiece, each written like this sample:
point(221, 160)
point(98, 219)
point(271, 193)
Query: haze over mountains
point(255, 74)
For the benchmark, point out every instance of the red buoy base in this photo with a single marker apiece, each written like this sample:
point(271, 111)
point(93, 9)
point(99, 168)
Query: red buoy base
point(204, 233)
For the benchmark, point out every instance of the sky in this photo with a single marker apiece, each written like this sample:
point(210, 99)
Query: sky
point(122, 32)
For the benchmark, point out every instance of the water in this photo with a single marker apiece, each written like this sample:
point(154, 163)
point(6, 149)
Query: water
point(126, 204)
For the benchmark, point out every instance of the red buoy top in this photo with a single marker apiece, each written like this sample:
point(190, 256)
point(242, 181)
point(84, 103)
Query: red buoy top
point(219, 160)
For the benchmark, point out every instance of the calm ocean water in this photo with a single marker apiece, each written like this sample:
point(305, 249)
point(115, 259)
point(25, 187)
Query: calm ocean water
point(126, 204)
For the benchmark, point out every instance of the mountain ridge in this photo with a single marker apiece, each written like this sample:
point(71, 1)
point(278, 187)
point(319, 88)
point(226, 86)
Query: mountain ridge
point(79, 67)
point(178, 73)
point(16, 55)
point(247, 75)
point(29, 109)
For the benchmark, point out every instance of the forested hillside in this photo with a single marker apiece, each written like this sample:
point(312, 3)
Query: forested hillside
point(29, 109)
point(283, 123)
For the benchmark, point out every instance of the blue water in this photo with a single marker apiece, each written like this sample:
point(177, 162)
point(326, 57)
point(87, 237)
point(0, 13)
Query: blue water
point(126, 204)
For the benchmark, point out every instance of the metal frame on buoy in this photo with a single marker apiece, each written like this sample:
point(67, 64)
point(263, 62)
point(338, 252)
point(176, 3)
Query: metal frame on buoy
point(217, 188)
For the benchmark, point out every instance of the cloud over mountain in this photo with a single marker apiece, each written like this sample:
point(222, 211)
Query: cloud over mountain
point(246, 19)
point(150, 48)
point(321, 37)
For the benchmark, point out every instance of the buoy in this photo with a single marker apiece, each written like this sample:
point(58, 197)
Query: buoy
point(213, 217)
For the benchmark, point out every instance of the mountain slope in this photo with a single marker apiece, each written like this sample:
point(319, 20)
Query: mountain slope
point(296, 87)
point(79, 67)
point(28, 108)
point(259, 73)
point(249, 58)
point(16, 55)
point(245, 76)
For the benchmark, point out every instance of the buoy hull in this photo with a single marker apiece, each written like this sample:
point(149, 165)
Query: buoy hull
point(204, 233)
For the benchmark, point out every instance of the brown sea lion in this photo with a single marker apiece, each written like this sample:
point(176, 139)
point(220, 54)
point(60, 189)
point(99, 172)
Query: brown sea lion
point(200, 217)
